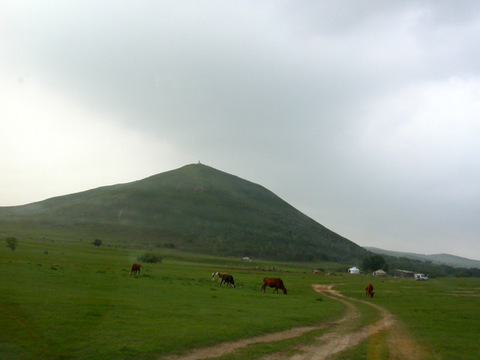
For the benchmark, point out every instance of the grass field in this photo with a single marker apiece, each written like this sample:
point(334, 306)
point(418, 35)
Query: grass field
point(71, 300)
point(441, 314)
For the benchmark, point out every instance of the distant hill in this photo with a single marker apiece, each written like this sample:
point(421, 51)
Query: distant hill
point(439, 259)
point(195, 208)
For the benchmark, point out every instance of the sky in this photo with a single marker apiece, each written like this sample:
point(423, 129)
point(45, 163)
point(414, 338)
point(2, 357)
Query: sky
point(364, 115)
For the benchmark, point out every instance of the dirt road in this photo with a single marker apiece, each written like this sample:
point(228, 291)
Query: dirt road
point(338, 337)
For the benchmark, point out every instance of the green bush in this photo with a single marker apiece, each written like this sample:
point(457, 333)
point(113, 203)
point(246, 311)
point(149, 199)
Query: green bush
point(97, 242)
point(12, 243)
point(150, 257)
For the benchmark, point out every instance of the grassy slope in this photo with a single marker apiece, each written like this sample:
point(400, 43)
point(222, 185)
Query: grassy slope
point(196, 208)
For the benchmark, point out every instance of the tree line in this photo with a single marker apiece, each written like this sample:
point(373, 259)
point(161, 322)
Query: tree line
point(386, 263)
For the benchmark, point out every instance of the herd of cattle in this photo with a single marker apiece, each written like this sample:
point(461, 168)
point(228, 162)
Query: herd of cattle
point(275, 283)
point(270, 282)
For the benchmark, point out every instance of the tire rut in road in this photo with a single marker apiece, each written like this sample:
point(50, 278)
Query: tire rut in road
point(337, 339)
point(228, 347)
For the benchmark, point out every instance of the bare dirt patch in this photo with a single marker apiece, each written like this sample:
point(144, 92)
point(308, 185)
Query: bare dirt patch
point(228, 347)
point(464, 293)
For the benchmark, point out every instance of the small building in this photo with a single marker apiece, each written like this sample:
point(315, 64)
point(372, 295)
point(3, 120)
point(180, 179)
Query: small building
point(354, 270)
point(402, 273)
point(379, 272)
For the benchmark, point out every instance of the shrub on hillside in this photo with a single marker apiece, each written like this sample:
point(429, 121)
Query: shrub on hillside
point(150, 257)
point(97, 242)
point(12, 243)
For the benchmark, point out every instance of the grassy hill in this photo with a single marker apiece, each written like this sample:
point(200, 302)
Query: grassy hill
point(195, 208)
point(439, 259)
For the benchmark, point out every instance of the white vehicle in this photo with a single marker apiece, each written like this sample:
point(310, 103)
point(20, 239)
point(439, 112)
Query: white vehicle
point(421, 277)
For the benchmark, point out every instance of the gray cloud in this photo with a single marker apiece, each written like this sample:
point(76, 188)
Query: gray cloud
point(363, 115)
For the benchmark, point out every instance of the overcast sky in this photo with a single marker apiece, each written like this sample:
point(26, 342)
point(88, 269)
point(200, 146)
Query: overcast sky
point(364, 115)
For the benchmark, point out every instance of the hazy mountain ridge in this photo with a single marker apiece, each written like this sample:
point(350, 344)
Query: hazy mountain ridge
point(439, 259)
point(196, 208)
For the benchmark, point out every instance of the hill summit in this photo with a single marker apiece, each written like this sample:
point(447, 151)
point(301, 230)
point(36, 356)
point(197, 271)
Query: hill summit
point(195, 208)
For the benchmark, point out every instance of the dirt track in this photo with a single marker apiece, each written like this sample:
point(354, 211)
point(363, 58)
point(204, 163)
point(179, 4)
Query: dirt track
point(337, 338)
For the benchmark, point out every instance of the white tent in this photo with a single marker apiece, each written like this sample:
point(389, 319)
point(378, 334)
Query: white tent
point(380, 272)
point(353, 270)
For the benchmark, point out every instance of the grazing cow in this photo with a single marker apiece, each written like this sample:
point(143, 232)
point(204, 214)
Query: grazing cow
point(135, 269)
point(273, 283)
point(369, 290)
point(228, 279)
point(224, 278)
point(220, 276)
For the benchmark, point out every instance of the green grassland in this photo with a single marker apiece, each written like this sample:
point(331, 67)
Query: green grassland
point(441, 314)
point(66, 299)
point(72, 300)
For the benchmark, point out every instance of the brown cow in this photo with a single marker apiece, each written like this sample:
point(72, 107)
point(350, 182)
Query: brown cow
point(273, 283)
point(369, 290)
point(220, 276)
point(135, 269)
